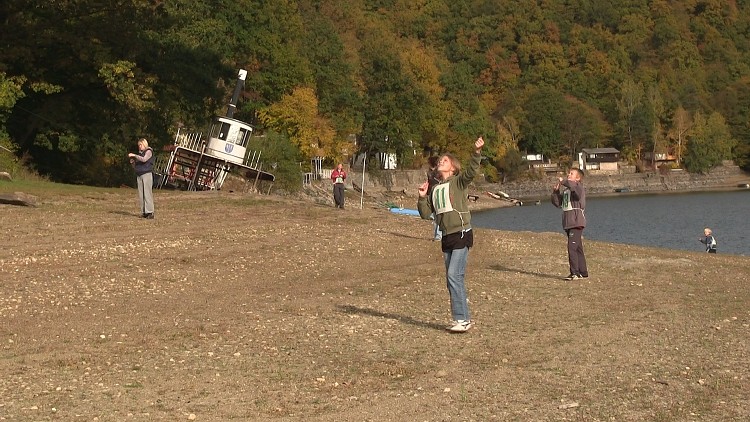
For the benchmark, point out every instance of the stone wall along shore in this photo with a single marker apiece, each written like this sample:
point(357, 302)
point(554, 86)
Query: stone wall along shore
point(727, 176)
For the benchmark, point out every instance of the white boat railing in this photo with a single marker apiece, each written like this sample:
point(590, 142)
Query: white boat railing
point(191, 140)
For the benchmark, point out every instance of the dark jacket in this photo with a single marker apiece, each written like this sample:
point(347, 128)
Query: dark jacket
point(571, 197)
point(710, 243)
point(144, 163)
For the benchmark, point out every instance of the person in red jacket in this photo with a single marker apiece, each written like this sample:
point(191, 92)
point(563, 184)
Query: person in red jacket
point(337, 177)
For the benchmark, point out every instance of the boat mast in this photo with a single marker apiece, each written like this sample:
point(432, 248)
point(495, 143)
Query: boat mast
point(237, 89)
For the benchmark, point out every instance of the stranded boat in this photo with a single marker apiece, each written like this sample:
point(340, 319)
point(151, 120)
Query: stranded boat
point(196, 163)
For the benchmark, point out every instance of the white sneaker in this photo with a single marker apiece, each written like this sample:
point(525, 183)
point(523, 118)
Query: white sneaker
point(460, 326)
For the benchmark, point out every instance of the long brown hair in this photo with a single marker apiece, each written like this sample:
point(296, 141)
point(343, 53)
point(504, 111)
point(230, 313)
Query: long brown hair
point(454, 162)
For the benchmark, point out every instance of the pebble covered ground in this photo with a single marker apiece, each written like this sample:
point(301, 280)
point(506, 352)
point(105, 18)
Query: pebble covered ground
point(233, 306)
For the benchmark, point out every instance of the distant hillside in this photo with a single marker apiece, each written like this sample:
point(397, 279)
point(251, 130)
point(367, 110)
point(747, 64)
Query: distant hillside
point(397, 76)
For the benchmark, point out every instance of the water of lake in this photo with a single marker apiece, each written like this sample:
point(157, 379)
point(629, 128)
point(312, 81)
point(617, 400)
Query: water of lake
point(673, 221)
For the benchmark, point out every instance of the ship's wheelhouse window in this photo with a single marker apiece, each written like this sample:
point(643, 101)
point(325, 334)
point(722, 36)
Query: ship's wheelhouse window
point(224, 134)
point(220, 130)
point(231, 133)
point(238, 135)
point(242, 137)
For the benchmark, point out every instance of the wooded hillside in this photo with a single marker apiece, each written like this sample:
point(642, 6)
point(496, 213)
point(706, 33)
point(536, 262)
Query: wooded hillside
point(80, 81)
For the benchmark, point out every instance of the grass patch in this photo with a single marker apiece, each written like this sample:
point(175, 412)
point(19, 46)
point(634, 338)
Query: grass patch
point(47, 188)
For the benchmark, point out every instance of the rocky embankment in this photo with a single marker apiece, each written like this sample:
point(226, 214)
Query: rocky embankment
point(400, 187)
point(723, 177)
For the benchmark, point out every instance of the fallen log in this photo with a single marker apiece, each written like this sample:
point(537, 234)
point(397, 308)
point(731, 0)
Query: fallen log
point(18, 198)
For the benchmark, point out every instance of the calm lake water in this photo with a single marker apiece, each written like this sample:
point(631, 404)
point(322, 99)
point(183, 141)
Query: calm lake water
point(673, 221)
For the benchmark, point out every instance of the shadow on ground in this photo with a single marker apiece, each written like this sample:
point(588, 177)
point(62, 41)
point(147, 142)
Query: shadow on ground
point(531, 273)
point(125, 213)
point(350, 309)
point(408, 236)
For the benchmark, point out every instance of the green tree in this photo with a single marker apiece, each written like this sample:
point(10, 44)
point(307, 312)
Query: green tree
point(656, 109)
point(433, 114)
point(468, 116)
point(542, 57)
point(506, 158)
point(710, 143)
point(280, 157)
point(635, 119)
point(268, 37)
point(542, 123)
point(101, 94)
point(425, 75)
point(403, 108)
point(509, 135)
point(339, 99)
point(582, 126)
point(631, 99)
point(11, 90)
point(390, 98)
point(734, 103)
point(511, 165)
point(600, 62)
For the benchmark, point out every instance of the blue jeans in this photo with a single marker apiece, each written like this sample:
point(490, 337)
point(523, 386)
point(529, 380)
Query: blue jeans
point(437, 234)
point(455, 267)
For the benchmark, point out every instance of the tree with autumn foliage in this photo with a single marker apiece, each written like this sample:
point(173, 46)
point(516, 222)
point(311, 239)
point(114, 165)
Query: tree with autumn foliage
point(82, 79)
point(296, 115)
point(682, 122)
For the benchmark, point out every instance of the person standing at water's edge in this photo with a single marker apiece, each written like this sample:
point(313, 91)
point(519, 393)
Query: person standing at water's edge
point(143, 163)
point(570, 195)
point(708, 240)
point(337, 177)
point(449, 205)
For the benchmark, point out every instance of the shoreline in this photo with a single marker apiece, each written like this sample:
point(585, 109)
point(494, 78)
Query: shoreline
point(735, 247)
point(639, 183)
point(659, 192)
point(486, 203)
point(315, 303)
point(400, 186)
